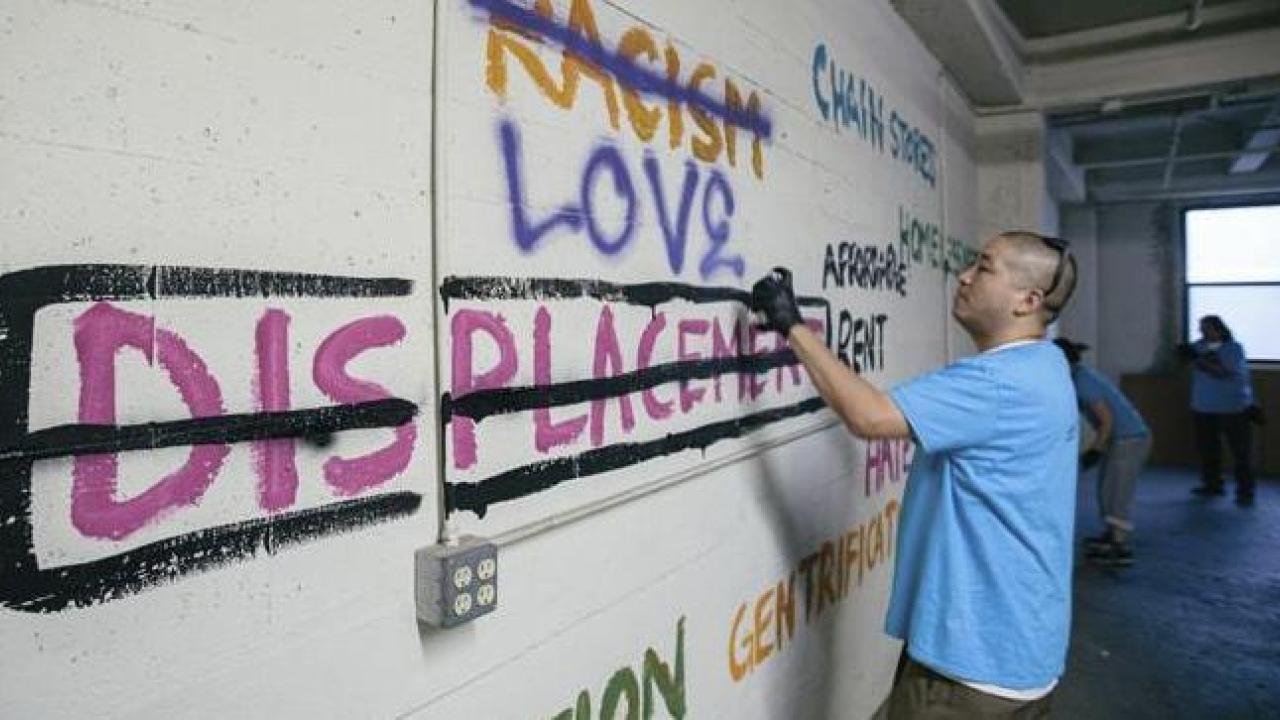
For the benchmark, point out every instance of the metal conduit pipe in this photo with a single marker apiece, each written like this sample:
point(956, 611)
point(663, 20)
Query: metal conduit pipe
point(1193, 15)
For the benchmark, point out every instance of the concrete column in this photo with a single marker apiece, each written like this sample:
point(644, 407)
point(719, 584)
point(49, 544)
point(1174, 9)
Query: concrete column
point(1013, 186)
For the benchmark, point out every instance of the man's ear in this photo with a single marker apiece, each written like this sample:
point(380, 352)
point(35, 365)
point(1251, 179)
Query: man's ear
point(1031, 302)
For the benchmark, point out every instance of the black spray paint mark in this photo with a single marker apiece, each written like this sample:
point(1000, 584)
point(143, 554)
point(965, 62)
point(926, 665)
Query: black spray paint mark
point(647, 294)
point(170, 559)
point(539, 476)
point(26, 586)
point(84, 439)
point(628, 73)
point(481, 404)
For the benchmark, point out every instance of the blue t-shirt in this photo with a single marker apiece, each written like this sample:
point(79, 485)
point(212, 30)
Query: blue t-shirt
point(1092, 387)
point(1230, 394)
point(982, 582)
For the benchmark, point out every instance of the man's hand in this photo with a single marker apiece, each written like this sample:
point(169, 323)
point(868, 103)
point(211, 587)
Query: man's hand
point(1090, 458)
point(773, 297)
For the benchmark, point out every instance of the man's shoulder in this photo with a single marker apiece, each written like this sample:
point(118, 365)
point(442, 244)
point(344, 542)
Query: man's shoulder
point(1035, 354)
point(1013, 365)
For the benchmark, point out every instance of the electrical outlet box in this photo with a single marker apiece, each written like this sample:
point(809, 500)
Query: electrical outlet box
point(455, 583)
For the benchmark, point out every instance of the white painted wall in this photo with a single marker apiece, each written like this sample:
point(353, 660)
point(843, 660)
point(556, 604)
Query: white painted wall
point(361, 141)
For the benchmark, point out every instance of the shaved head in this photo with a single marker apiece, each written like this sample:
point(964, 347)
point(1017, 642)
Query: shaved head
point(1015, 287)
point(1035, 261)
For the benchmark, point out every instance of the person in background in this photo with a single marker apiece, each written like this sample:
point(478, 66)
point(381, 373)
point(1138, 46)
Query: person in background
point(982, 579)
point(1121, 445)
point(1221, 402)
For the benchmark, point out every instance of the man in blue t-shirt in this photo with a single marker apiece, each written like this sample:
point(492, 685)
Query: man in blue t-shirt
point(982, 581)
point(1121, 444)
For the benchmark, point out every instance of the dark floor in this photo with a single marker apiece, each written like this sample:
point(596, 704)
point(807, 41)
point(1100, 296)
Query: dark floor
point(1192, 629)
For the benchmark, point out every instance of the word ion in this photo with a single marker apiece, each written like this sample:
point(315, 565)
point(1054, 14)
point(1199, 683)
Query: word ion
point(638, 693)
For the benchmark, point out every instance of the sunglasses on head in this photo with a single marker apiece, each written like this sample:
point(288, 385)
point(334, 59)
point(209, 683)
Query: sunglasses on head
point(1060, 246)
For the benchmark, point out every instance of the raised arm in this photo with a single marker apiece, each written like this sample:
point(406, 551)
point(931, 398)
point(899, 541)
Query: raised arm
point(867, 411)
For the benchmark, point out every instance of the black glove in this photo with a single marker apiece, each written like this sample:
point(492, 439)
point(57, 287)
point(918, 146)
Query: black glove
point(1089, 458)
point(773, 297)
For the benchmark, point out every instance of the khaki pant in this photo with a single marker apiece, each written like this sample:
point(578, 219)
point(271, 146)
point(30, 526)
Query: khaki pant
point(922, 694)
point(1122, 463)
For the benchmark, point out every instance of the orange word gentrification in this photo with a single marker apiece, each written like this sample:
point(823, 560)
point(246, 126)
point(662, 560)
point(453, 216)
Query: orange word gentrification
point(761, 627)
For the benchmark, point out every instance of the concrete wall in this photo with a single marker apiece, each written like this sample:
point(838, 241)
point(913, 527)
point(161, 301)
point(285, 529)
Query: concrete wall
point(272, 274)
point(1013, 187)
point(1139, 294)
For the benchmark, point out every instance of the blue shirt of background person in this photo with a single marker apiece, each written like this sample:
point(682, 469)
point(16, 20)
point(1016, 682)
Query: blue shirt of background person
point(1092, 387)
point(987, 517)
point(1229, 392)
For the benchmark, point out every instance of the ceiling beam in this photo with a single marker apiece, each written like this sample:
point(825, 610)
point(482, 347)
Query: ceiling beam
point(1160, 159)
point(1260, 145)
point(1266, 181)
point(966, 36)
point(1066, 179)
point(1145, 113)
point(1152, 29)
point(1095, 150)
point(1193, 63)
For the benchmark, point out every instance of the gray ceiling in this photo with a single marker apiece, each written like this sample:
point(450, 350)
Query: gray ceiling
point(1193, 146)
point(1043, 18)
point(1189, 122)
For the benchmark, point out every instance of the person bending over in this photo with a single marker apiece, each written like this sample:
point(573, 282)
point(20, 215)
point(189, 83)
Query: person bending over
point(1121, 445)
